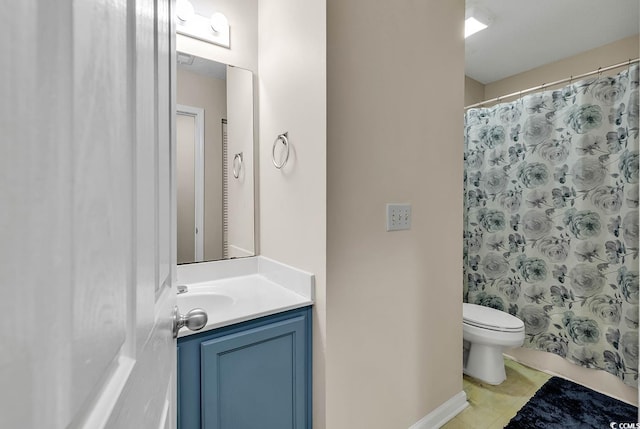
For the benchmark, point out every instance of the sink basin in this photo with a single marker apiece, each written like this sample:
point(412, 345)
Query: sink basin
point(210, 302)
point(228, 301)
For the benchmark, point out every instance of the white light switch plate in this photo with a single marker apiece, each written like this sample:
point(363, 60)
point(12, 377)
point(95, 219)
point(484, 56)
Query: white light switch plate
point(398, 217)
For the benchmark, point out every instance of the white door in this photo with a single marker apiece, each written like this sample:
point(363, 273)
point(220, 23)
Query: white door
point(85, 215)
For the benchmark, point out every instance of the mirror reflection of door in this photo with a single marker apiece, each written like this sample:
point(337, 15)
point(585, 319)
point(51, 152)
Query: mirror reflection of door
point(190, 183)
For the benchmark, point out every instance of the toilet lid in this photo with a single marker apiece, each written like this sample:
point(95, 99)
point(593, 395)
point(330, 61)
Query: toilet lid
point(490, 318)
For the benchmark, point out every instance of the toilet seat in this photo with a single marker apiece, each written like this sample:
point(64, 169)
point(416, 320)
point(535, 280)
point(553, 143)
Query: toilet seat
point(490, 318)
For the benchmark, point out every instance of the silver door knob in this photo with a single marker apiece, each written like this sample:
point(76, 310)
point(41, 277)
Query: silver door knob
point(194, 320)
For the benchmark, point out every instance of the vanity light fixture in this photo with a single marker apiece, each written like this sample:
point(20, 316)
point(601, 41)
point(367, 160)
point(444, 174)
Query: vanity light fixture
point(213, 30)
point(472, 26)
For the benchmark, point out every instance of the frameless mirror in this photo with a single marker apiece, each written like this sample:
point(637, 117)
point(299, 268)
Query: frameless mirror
point(214, 161)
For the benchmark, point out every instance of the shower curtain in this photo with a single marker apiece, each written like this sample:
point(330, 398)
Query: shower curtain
point(551, 218)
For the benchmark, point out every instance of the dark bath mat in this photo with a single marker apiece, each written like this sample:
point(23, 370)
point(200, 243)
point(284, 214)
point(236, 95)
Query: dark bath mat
point(560, 403)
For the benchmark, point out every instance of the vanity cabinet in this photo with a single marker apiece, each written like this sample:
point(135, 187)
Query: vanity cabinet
point(251, 375)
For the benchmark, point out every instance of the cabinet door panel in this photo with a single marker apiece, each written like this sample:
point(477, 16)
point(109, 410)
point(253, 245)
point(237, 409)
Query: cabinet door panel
point(256, 378)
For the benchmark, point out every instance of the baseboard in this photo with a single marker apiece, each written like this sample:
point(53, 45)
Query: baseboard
point(443, 413)
point(595, 379)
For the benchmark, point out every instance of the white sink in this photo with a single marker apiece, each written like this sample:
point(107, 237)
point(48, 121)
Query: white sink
point(211, 302)
point(237, 299)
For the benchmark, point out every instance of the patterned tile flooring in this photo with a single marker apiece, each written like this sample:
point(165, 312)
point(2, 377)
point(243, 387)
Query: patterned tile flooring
point(491, 407)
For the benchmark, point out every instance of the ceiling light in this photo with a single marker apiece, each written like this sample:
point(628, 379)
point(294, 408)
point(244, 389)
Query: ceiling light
point(472, 26)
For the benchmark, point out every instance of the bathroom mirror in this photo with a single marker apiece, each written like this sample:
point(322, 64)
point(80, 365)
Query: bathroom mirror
point(214, 160)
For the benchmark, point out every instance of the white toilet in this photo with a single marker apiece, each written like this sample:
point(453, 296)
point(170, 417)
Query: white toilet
point(486, 333)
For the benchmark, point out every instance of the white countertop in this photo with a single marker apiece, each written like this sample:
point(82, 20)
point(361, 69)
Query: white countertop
point(239, 290)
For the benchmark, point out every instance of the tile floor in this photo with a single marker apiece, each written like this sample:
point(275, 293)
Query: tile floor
point(491, 407)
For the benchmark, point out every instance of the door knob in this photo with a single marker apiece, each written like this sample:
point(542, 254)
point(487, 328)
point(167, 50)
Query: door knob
point(194, 320)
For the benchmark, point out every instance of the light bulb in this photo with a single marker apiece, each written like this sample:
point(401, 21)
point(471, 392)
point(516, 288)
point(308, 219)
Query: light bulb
point(184, 10)
point(218, 22)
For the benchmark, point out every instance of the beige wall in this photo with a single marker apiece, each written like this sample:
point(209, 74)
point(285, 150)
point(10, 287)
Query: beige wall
point(209, 94)
point(292, 88)
point(473, 91)
point(394, 322)
point(613, 53)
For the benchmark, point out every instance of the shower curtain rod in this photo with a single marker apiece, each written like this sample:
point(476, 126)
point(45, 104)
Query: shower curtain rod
point(545, 85)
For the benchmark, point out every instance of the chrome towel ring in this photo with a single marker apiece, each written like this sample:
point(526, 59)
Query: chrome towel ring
point(285, 141)
point(237, 164)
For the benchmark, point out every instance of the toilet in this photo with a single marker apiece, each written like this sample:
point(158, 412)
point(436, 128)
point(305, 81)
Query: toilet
point(486, 333)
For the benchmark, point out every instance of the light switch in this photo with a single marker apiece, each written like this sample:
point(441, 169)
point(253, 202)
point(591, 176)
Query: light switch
point(398, 217)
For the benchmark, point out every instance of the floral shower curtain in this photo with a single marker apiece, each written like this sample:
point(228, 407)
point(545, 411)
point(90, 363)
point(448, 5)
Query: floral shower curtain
point(551, 218)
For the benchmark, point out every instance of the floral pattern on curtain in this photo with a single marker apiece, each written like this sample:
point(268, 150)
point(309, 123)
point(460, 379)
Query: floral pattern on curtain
point(551, 218)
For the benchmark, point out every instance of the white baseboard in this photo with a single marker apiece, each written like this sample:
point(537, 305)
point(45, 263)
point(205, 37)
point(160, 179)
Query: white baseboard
point(443, 413)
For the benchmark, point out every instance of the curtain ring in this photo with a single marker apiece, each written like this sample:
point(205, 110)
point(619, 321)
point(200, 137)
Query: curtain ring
point(570, 79)
point(599, 72)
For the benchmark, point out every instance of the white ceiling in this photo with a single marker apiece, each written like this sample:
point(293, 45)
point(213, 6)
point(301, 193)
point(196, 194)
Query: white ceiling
point(524, 34)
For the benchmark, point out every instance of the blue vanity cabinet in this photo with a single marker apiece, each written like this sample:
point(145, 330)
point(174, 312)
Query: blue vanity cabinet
point(253, 375)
